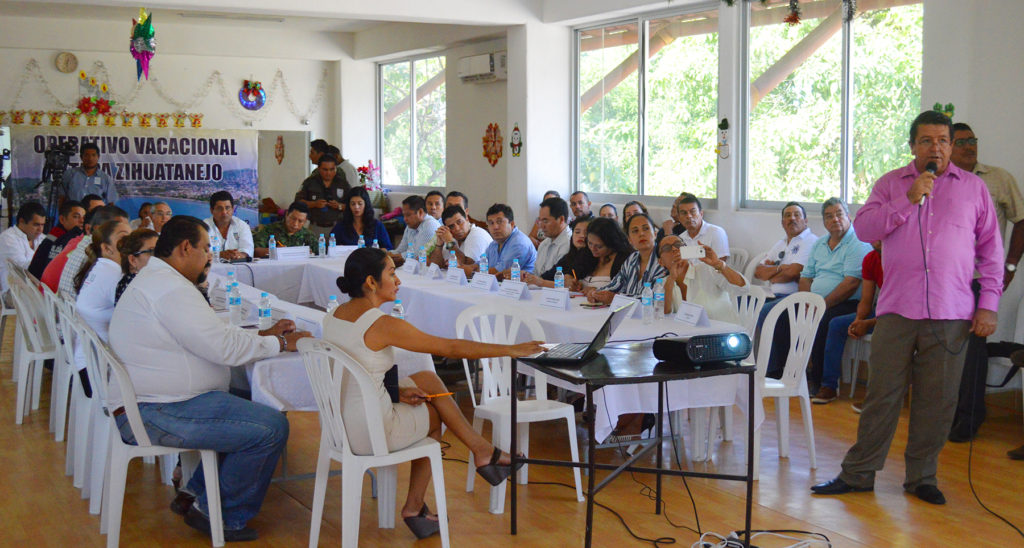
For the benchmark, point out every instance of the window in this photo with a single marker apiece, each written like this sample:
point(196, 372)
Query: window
point(811, 134)
point(411, 126)
point(647, 94)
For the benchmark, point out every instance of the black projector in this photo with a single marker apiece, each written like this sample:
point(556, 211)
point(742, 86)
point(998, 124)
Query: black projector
point(701, 349)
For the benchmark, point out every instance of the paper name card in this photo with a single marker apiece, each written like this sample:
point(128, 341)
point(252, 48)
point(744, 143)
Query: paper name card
point(410, 266)
point(315, 327)
point(250, 311)
point(455, 276)
point(219, 297)
point(293, 253)
point(278, 314)
point(514, 290)
point(484, 281)
point(692, 314)
point(434, 272)
point(621, 300)
point(340, 250)
point(554, 298)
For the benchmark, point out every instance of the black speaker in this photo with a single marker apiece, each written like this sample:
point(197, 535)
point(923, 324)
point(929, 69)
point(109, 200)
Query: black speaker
point(700, 349)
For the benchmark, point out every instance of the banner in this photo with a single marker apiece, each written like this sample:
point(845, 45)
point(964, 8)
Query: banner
point(180, 167)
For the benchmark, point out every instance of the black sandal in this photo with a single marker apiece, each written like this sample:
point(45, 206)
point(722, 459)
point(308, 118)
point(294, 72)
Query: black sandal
point(496, 473)
point(421, 525)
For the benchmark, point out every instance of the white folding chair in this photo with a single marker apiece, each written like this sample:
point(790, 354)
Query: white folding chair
point(108, 376)
point(328, 366)
point(738, 258)
point(63, 364)
point(860, 351)
point(804, 311)
point(751, 266)
point(483, 323)
point(36, 346)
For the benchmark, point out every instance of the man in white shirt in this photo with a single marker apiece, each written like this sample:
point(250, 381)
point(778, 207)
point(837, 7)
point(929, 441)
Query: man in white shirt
point(467, 240)
point(18, 244)
point(77, 257)
point(786, 259)
point(420, 228)
point(690, 213)
point(160, 215)
point(553, 217)
point(235, 234)
point(178, 353)
point(435, 204)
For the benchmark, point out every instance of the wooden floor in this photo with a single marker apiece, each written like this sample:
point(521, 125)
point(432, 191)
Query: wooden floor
point(41, 508)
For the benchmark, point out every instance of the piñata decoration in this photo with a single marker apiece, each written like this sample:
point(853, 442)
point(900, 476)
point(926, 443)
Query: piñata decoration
point(143, 46)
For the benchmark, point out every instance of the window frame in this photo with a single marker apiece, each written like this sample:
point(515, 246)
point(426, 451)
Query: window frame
point(379, 121)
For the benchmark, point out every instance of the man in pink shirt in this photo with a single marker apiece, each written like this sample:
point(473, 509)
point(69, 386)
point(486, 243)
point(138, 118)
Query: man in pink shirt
point(937, 224)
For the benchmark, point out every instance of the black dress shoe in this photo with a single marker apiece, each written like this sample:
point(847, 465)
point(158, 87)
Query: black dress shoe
point(196, 520)
point(962, 432)
point(837, 487)
point(182, 503)
point(1016, 454)
point(930, 494)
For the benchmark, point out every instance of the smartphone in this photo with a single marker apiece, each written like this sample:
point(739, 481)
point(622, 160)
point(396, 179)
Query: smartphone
point(691, 252)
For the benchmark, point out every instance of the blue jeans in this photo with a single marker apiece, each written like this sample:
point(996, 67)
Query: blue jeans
point(835, 343)
point(248, 436)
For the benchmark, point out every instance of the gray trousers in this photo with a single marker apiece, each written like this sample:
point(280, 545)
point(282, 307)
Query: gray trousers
point(906, 353)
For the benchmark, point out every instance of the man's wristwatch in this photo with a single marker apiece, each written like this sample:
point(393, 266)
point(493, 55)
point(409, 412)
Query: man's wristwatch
point(284, 342)
point(449, 245)
point(1011, 267)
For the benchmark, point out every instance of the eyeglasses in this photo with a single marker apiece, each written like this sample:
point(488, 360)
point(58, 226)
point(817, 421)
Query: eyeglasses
point(964, 142)
point(143, 251)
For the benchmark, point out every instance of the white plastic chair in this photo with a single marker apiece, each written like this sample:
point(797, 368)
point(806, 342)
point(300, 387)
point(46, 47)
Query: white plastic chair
point(738, 258)
point(748, 270)
point(105, 372)
point(79, 419)
point(7, 310)
point(482, 323)
point(63, 365)
point(860, 351)
point(804, 310)
point(36, 345)
point(327, 367)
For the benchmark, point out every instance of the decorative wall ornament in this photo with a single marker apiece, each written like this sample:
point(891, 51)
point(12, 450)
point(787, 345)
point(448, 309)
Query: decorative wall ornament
point(55, 116)
point(145, 119)
point(162, 118)
point(17, 116)
point(279, 149)
point(251, 95)
point(110, 119)
point(180, 118)
point(127, 118)
point(142, 45)
point(3, 114)
point(946, 109)
point(493, 143)
point(196, 119)
point(794, 13)
point(74, 118)
point(515, 142)
point(95, 95)
point(723, 139)
point(35, 117)
point(32, 73)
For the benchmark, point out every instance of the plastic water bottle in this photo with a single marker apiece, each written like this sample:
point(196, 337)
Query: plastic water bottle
point(515, 270)
point(375, 244)
point(272, 242)
point(397, 311)
point(321, 246)
point(659, 298)
point(231, 279)
point(647, 302)
point(266, 312)
point(361, 244)
point(332, 303)
point(559, 278)
point(453, 262)
point(484, 267)
point(423, 260)
point(333, 242)
point(409, 255)
point(235, 304)
point(215, 245)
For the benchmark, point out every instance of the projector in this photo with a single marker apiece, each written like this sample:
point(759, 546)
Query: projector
point(701, 349)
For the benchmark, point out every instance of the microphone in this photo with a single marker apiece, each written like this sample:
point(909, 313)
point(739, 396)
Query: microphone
point(932, 167)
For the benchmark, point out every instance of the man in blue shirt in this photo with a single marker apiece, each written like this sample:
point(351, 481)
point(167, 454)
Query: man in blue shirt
point(509, 243)
point(88, 178)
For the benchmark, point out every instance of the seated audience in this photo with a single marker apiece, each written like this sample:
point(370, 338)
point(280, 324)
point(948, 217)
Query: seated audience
point(235, 234)
point(609, 247)
point(143, 220)
point(704, 281)
point(55, 269)
point(609, 211)
point(698, 231)
point(178, 353)
point(640, 267)
point(19, 243)
point(786, 259)
point(91, 202)
point(358, 219)
point(96, 282)
point(322, 193)
point(509, 243)
point(434, 202)
point(370, 336)
point(160, 215)
point(420, 228)
point(135, 250)
point(554, 222)
point(571, 263)
point(457, 198)
point(673, 225)
point(72, 214)
point(69, 217)
point(78, 256)
point(288, 232)
point(467, 240)
point(580, 204)
point(854, 325)
point(536, 234)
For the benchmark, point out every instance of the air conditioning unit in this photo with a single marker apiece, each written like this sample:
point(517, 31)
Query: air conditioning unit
point(480, 69)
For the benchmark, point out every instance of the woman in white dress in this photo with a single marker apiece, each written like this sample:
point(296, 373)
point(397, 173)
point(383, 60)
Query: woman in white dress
point(368, 335)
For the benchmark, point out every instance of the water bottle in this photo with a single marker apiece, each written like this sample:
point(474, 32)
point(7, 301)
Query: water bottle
point(515, 270)
point(559, 278)
point(423, 260)
point(409, 255)
point(659, 298)
point(235, 304)
point(231, 279)
point(397, 311)
point(272, 242)
point(333, 242)
point(375, 244)
point(484, 267)
point(361, 244)
point(266, 312)
point(332, 303)
point(321, 246)
point(647, 302)
point(453, 262)
point(215, 246)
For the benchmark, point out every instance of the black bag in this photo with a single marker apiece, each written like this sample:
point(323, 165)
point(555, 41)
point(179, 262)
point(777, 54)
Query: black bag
point(391, 383)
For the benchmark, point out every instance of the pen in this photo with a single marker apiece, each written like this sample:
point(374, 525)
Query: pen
point(432, 396)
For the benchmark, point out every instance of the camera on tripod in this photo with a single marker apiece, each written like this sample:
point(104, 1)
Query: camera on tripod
point(57, 157)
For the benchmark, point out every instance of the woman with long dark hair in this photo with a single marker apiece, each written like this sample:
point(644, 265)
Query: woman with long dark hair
point(358, 220)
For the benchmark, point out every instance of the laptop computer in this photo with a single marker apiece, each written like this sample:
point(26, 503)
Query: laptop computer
point(570, 353)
